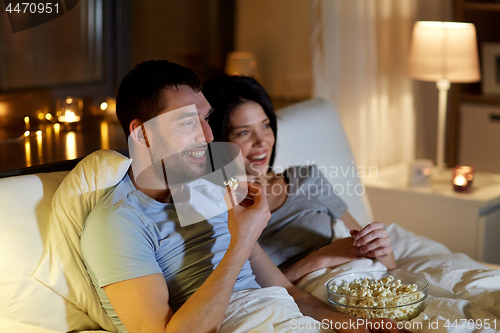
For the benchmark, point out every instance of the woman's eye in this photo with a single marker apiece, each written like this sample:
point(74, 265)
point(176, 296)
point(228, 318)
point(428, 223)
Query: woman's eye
point(242, 133)
point(268, 125)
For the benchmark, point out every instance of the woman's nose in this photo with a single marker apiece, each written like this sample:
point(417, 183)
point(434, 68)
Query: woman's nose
point(258, 140)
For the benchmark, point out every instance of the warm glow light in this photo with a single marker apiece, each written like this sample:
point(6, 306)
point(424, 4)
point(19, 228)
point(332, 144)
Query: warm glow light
point(57, 128)
point(104, 106)
point(40, 115)
point(444, 50)
point(104, 135)
point(71, 146)
point(48, 116)
point(39, 145)
point(69, 100)
point(48, 136)
point(27, 122)
point(27, 151)
point(460, 180)
point(69, 117)
point(27, 133)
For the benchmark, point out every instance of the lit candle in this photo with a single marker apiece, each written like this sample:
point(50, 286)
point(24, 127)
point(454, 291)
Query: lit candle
point(26, 123)
point(462, 178)
point(69, 116)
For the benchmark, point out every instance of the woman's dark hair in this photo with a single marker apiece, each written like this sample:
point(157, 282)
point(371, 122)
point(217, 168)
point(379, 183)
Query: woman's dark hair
point(140, 92)
point(225, 93)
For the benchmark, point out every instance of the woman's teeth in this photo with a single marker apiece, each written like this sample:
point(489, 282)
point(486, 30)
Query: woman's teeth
point(196, 153)
point(258, 157)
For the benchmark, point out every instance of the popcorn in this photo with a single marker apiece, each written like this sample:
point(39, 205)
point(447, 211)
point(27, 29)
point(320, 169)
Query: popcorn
point(387, 295)
point(233, 183)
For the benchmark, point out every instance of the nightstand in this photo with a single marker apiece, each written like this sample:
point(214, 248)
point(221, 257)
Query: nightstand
point(464, 222)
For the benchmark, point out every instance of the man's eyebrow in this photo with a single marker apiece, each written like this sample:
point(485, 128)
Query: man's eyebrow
point(186, 115)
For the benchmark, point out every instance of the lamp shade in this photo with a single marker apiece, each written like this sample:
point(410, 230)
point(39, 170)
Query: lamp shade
point(444, 50)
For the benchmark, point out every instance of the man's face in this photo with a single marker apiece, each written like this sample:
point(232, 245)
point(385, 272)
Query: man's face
point(180, 133)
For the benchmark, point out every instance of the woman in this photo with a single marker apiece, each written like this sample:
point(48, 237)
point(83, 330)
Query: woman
point(298, 237)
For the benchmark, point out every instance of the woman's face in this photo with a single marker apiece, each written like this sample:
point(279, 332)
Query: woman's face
point(250, 129)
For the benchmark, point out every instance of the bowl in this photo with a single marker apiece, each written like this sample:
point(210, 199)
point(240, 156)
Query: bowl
point(403, 307)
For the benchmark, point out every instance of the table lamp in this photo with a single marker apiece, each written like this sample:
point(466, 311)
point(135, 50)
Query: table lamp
point(443, 52)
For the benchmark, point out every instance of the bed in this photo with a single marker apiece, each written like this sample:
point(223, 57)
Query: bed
point(44, 288)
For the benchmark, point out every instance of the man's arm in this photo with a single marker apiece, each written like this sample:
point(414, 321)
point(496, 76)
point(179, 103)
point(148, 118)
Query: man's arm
point(268, 275)
point(142, 303)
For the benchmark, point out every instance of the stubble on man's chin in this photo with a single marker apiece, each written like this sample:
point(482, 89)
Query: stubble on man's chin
point(179, 171)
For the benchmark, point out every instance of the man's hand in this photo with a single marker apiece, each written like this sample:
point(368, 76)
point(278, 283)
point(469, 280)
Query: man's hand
point(372, 241)
point(247, 220)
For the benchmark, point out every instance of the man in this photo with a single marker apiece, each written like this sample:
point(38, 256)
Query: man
point(151, 273)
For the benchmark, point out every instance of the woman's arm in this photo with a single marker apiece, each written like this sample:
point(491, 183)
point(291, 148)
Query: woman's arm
point(372, 241)
point(331, 255)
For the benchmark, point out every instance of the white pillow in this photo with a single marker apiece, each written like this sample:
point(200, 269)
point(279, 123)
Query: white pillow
point(25, 206)
point(61, 267)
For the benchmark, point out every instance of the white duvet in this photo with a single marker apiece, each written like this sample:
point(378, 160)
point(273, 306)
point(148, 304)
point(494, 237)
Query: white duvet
point(464, 295)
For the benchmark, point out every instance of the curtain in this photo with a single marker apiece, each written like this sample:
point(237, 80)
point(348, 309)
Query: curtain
point(359, 62)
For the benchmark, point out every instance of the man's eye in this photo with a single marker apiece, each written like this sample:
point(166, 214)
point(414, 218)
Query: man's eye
point(188, 123)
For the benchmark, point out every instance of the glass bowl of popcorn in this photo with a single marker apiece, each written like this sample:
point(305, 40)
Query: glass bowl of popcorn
point(397, 294)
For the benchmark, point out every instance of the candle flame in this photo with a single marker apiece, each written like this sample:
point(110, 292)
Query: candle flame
point(460, 180)
point(70, 116)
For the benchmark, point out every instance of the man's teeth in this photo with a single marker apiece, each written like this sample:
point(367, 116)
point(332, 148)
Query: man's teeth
point(196, 153)
point(258, 157)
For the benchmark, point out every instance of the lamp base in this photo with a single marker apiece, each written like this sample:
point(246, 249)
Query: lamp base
point(440, 173)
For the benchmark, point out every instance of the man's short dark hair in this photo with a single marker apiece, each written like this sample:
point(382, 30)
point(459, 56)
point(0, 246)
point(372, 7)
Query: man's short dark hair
point(140, 92)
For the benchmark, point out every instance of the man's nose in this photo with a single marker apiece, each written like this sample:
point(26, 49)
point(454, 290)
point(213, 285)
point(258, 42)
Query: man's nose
point(205, 134)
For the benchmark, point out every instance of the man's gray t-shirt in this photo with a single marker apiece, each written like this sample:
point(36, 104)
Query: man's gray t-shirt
point(130, 235)
point(304, 223)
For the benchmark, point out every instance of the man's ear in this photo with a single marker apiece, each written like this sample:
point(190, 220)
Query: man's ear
point(138, 132)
